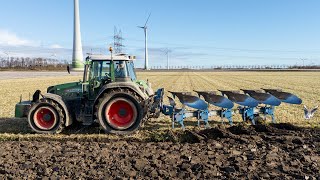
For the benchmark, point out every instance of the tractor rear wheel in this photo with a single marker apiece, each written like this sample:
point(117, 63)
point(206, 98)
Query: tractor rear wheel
point(46, 117)
point(119, 112)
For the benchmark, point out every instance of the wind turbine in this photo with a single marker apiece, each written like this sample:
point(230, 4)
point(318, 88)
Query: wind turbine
point(145, 28)
point(8, 54)
point(77, 56)
point(166, 52)
point(303, 61)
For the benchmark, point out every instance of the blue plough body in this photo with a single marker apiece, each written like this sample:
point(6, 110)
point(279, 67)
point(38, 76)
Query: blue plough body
point(252, 105)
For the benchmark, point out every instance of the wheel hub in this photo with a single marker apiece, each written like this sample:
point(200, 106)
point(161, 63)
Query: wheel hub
point(122, 112)
point(47, 117)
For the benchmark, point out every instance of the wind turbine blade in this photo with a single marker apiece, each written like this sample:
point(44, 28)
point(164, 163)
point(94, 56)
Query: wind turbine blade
point(147, 20)
point(140, 27)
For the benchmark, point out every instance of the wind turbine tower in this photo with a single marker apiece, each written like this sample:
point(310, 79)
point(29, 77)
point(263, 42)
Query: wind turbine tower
point(166, 52)
point(145, 28)
point(77, 56)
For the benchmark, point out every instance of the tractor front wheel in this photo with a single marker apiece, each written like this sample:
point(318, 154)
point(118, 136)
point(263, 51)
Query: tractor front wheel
point(46, 117)
point(119, 112)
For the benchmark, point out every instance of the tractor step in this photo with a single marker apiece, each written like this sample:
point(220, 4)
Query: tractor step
point(87, 119)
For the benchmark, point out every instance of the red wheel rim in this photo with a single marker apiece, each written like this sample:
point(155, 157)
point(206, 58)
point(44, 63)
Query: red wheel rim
point(121, 113)
point(45, 118)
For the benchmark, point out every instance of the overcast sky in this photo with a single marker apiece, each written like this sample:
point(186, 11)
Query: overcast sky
point(202, 32)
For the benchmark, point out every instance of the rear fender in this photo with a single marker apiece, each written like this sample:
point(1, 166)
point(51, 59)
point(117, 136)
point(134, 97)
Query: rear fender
point(59, 100)
point(130, 86)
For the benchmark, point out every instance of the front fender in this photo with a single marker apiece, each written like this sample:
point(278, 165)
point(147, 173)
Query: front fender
point(60, 101)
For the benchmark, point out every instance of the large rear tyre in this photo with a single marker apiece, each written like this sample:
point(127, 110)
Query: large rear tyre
point(46, 117)
point(119, 112)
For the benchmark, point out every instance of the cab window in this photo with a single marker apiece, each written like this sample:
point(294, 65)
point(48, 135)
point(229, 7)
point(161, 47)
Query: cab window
point(120, 69)
point(100, 70)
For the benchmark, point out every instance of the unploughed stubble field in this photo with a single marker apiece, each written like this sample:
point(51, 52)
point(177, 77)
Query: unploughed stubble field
point(306, 85)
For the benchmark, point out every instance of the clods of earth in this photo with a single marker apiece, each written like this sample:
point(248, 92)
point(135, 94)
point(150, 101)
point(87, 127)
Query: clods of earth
point(280, 151)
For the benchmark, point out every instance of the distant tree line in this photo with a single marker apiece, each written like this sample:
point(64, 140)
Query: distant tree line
point(40, 63)
point(305, 67)
point(29, 63)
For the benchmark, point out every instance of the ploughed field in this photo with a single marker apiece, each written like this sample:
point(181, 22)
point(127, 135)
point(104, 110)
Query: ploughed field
point(281, 151)
point(290, 149)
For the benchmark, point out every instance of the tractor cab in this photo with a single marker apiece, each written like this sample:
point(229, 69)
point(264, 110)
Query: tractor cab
point(103, 69)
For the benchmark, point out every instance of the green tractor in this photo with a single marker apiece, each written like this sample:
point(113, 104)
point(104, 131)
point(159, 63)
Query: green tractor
point(109, 95)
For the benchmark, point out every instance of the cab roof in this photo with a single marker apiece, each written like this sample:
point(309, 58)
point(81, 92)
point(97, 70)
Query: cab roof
point(124, 57)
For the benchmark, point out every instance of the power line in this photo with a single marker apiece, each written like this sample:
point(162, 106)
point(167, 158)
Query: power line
point(117, 40)
point(187, 46)
point(226, 48)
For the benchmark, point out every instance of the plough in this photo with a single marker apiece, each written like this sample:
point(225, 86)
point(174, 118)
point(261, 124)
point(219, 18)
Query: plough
point(251, 104)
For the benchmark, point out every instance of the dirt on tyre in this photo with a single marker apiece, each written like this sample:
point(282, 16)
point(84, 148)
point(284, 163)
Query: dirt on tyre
point(119, 112)
point(46, 116)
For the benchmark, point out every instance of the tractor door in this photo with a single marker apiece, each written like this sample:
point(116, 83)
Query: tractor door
point(100, 74)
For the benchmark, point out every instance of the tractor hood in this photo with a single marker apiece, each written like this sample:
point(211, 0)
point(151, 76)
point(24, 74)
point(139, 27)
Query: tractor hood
point(73, 89)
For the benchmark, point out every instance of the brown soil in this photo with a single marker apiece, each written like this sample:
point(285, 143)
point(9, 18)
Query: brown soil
point(281, 151)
